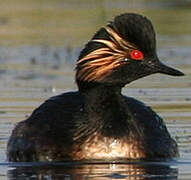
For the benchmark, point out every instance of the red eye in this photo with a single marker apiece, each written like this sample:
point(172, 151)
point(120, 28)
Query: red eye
point(137, 55)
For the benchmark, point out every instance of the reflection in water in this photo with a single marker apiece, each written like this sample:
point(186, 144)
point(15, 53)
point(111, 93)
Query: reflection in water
point(103, 171)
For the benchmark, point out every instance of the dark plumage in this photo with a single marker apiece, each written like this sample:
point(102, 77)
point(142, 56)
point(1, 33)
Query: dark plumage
point(98, 122)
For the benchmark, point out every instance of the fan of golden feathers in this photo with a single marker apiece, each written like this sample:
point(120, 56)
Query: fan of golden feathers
point(100, 63)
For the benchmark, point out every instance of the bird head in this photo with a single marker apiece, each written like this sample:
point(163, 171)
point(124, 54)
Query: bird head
point(121, 52)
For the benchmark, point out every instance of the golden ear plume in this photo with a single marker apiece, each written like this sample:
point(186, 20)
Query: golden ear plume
point(100, 63)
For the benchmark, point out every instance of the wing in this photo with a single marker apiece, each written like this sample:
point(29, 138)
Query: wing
point(154, 133)
point(51, 126)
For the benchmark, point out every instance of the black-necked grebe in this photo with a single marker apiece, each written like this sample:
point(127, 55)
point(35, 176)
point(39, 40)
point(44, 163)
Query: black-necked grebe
point(98, 122)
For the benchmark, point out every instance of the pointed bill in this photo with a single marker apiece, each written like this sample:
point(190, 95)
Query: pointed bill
point(164, 69)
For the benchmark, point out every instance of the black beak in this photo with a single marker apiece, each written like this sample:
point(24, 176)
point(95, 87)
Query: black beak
point(168, 70)
point(159, 67)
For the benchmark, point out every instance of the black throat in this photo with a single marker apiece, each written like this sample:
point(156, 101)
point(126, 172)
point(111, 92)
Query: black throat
point(107, 108)
point(102, 96)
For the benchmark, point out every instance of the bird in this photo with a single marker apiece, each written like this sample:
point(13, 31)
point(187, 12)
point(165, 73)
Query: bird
point(98, 122)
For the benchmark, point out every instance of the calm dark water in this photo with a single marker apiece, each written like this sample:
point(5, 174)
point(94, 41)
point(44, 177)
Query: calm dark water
point(39, 45)
point(102, 171)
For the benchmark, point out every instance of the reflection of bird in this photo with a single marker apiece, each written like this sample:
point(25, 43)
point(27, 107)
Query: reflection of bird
point(123, 171)
point(98, 122)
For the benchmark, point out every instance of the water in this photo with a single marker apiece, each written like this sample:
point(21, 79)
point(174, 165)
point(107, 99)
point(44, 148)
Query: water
point(40, 42)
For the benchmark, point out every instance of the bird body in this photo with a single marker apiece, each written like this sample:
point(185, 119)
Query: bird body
point(97, 121)
point(110, 127)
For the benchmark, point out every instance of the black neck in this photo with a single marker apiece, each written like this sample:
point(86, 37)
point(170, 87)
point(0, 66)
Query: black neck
point(84, 86)
point(99, 92)
point(108, 110)
point(106, 106)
